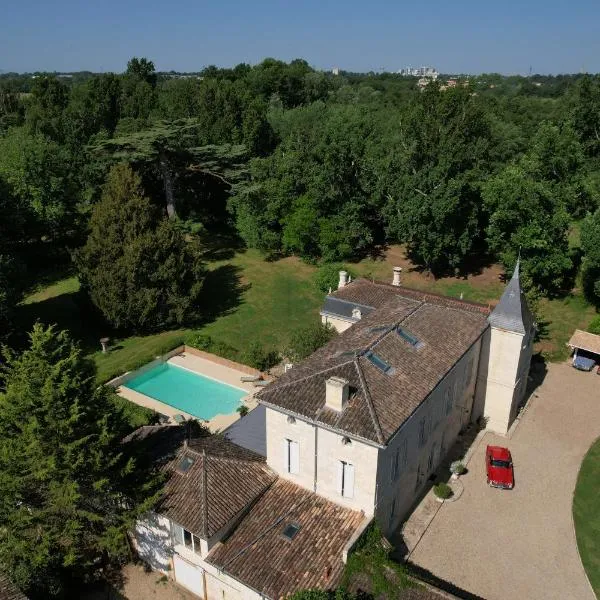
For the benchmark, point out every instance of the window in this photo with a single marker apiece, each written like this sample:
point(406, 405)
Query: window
point(422, 433)
point(185, 464)
point(183, 537)
point(290, 531)
point(408, 337)
point(292, 457)
point(376, 360)
point(346, 479)
point(449, 401)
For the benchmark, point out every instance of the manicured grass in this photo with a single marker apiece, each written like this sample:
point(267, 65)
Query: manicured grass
point(558, 320)
point(587, 515)
point(248, 299)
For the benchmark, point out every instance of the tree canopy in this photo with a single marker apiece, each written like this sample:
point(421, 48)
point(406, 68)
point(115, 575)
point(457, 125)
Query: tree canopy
point(138, 267)
point(68, 491)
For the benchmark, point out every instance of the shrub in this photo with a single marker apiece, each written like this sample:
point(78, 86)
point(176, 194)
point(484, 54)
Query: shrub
point(243, 410)
point(594, 326)
point(199, 341)
point(259, 358)
point(457, 467)
point(305, 341)
point(442, 490)
point(328, 276)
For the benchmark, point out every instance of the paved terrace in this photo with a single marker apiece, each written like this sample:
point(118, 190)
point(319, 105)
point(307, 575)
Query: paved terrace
point(211, 366)
point(521, 543)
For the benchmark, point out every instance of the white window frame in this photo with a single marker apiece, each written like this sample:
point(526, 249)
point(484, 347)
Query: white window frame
point(195, 546)
point(291, 457)
point(346, 479)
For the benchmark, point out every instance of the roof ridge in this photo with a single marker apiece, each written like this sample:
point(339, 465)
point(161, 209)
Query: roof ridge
point(369, 402)
point(434, 295)
point(204, 494)
point(394, 326)
point(309, 376)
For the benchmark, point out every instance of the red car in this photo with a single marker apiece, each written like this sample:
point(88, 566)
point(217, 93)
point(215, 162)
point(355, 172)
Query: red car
point(498, 463)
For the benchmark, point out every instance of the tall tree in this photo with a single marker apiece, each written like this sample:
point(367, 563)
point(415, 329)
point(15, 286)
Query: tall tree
point(528, 216)
point(137, 267)
point(68, 492)
point(49, 99)
point(168, 148)
point(590, 245)
point(432, 173)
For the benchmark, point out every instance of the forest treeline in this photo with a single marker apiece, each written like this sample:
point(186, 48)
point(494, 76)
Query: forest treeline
point(298, 161)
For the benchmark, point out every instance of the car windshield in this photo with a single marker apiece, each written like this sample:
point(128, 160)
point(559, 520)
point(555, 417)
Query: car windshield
point(500, 463)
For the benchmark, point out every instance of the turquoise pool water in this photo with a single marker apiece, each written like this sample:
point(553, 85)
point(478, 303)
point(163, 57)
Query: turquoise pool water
point(187, 391)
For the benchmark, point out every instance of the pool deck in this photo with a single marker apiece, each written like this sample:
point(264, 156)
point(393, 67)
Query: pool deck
point(208, 368)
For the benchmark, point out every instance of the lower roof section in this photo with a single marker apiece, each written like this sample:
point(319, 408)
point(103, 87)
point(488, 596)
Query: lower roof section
point(259, 554)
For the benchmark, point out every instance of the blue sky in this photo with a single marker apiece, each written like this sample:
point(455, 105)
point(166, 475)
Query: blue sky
point(508, 36)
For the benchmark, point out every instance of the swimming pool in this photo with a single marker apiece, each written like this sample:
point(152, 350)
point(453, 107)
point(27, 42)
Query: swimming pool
point(187, 391)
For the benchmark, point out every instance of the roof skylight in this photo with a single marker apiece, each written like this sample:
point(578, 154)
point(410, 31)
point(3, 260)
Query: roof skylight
point(291, 530)
point(185, 464)
point(376, 360)
point(408, 337)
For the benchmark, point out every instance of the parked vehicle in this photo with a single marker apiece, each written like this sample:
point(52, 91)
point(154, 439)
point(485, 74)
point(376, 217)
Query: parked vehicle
point(499, 467)
point(584, 361)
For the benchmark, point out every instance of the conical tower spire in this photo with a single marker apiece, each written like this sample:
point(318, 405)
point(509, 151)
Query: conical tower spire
point(512, 312)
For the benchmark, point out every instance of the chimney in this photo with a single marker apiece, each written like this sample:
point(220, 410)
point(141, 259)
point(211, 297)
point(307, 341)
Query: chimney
point(336, 393)
point(356, 314)
point(343, 279)
point(396, 280)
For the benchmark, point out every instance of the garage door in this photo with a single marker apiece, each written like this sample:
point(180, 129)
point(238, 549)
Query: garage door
point(188, 575)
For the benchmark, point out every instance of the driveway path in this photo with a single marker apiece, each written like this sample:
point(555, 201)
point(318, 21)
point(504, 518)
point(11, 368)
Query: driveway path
point(521, 544)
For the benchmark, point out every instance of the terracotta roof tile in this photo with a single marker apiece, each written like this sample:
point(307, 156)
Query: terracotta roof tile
point(258, 555)
point(380, 402)
point(222, 480)
point(9, 591)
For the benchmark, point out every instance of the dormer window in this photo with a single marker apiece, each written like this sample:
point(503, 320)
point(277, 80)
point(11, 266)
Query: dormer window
point(290, 531)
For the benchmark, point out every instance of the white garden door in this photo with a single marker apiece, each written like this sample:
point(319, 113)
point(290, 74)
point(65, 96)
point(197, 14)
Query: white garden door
point(188, 575)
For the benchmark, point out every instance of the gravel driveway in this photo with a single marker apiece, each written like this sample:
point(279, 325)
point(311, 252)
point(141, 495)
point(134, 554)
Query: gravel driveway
point(521, 544)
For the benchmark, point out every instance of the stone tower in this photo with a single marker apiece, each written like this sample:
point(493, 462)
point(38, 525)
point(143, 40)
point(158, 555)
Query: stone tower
point(505, 358)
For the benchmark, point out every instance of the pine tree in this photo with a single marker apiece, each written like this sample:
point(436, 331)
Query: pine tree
point(68, 491)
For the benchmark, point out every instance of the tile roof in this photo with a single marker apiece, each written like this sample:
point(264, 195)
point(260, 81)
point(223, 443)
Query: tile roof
point(9, 591)
point(585, 341)
point(512, 312)
point(257, 554)
point(222, 480)
point(380, 402)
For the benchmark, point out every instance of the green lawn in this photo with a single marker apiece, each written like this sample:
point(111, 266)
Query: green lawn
point(587, 515)
point(249, 299)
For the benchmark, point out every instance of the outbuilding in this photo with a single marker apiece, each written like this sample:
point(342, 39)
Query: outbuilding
point(586, 349)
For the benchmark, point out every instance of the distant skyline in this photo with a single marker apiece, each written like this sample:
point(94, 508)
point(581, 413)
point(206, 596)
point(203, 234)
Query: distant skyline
point(551, 36)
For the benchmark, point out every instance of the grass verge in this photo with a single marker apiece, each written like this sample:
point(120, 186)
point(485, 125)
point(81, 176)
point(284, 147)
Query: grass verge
point(587, 516)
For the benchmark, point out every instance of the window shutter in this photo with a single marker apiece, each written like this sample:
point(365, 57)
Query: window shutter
point(340, 476)
point(349, 481)
point(177, 532)
point(294, 458)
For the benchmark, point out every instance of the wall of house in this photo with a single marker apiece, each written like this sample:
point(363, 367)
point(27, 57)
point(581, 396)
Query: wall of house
point(502, 377)
point(338, 324)
point(417, 460)
point(329, 450)
point(151, 539)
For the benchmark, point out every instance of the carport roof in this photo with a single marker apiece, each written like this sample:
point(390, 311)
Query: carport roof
point(585, 341)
